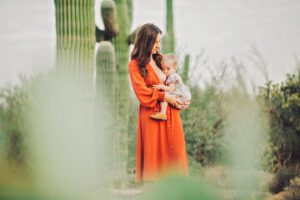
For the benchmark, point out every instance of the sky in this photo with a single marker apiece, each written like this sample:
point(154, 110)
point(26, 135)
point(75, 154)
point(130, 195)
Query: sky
point(27, 38)
point(221, 28)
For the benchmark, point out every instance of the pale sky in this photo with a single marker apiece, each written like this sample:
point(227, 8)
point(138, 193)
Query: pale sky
point(222, 28)
point(27, 38)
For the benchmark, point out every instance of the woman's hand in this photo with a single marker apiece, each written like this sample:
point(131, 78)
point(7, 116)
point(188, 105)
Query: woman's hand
point(184, 106)
point(176, 102)
point(159, 86)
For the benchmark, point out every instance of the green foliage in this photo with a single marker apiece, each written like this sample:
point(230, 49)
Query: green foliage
point(202, 123)
point(282, 103)
point(15, 103)
point(180, 188)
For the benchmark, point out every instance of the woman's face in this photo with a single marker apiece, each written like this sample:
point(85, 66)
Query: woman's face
point(156, 46)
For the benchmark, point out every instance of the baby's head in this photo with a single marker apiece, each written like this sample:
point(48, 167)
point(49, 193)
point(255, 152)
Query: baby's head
point(169, 64)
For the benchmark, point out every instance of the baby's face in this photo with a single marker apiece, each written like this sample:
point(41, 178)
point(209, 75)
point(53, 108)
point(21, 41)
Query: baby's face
point(168, 69)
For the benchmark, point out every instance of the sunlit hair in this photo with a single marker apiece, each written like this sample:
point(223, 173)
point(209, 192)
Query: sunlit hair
point(169, 60)
point(143, 46)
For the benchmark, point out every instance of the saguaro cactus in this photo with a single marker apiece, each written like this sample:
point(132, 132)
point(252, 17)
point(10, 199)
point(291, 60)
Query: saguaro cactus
point(117, 17)
point(186, 68)
point(106, 85)
point(124, 10)
point(75, 28)
point(168, 45)
point(75, 39)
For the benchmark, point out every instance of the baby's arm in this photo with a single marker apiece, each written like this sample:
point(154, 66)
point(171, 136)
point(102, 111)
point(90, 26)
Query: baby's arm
point(168, 88)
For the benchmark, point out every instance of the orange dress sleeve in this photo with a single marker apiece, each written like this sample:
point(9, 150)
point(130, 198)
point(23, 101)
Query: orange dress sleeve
point(147, 96)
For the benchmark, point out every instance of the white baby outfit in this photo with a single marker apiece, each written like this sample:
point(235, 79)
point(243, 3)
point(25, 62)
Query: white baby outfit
point(181, 90)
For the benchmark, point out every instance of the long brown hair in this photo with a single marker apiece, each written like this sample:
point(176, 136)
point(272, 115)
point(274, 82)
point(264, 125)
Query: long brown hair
point(143, 45)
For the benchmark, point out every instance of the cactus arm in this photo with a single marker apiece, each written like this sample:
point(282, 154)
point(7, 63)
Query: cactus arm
point(131, 37)
point(130, 11)
point(186, 66)
point(168, 39)
point(109, 16)
point(106, 72)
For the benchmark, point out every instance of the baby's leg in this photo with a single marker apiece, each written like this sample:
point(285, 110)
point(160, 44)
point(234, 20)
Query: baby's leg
point(162, 115)
point(163, 107)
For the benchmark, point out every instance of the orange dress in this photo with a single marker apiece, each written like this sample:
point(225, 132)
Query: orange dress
point(160, 146)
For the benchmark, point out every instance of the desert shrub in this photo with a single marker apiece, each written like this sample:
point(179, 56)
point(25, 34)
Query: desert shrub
point(202, 124)
point(282, 102)
point(293, 190)
point(282, 178)
point(13, 106)
point(16, 102)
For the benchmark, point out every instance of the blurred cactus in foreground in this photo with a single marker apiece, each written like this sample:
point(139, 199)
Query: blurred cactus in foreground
point(180, 188)
point(245, 136)
point(62, 127)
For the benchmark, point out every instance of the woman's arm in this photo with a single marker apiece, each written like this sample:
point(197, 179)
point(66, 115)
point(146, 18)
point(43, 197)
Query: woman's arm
point(147, 96)
point(176, 102)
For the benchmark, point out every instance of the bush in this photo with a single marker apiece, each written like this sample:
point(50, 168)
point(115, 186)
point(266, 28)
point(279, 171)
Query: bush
point(282, 102)
point(202, 124)
point(15, 104)
point(293, 189)
point(282, 179)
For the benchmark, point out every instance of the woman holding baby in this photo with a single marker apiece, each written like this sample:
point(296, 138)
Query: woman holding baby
point(160, 139)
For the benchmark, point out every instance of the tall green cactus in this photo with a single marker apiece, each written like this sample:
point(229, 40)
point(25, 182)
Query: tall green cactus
point(75, 28)
point(124, 10)
point(186, 68)
point(75, 37)
point(106, 85)
point(118, 14)
point(168, 45)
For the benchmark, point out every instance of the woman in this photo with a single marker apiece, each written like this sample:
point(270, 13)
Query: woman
point(160, 144)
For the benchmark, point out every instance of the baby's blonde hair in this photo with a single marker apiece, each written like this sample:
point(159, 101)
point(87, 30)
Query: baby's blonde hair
point(169, 59)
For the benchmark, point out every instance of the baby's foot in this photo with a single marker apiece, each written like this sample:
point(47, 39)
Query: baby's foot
point(160, 116)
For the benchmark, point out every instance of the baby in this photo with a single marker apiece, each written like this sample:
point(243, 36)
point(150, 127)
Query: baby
point(174, 86)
